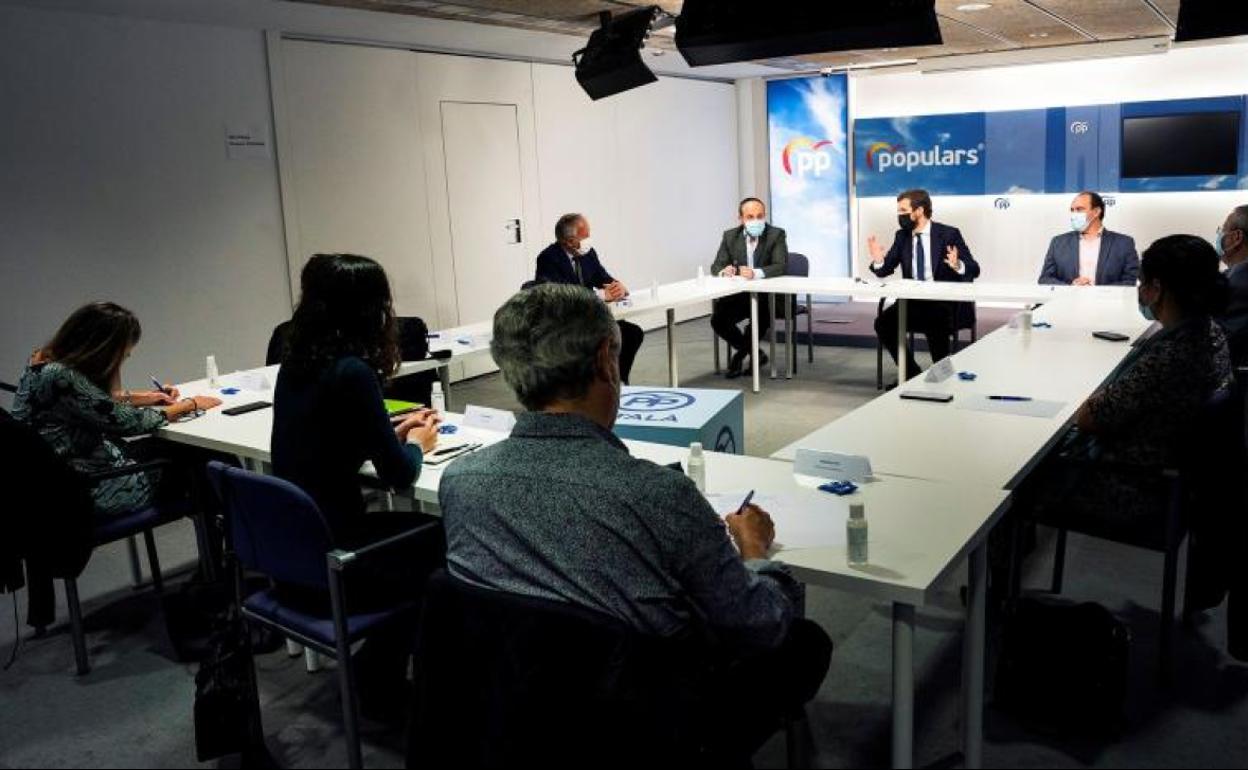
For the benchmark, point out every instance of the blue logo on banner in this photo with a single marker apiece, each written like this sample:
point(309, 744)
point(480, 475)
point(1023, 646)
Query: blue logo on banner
point(1001, 203)
point(656, 401)
point(725, 441)
point(943, 153)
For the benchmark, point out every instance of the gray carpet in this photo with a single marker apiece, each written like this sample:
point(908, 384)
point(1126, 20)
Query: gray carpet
point(134, 709)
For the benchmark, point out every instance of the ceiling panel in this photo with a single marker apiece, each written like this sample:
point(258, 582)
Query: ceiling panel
point(1004, 25)
point(1111, 19)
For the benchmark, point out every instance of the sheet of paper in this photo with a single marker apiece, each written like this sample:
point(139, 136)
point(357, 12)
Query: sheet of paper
point(803, 519)
point(980, 403)
point(485, 418)
point(253, 380)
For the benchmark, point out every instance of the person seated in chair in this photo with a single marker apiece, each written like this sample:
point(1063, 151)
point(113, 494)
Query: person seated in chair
point(560, 511)
point(1141, 417)
point(71, 393)
point(753, 250)
point(1231, 243)
point(925, 251)
point(1090, 255)
point(572, 259)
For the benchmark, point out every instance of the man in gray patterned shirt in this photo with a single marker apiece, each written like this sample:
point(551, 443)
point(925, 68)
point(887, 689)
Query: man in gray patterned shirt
point(561, 511)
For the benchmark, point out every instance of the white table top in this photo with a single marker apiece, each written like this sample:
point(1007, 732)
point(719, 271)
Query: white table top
point(978, 291)
point(942, 442)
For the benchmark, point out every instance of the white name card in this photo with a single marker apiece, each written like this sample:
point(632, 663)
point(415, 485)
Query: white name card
point(831, 465)
point(941, 371)
point(485, 418)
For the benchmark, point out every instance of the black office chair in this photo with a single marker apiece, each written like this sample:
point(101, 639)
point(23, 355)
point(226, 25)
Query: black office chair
point(964, 319)
point(799, 265)
point(507, 680)
point(1201, 492)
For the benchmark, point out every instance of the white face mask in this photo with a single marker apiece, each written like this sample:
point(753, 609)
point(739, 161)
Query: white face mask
point(1078, 221)
point(585, 247)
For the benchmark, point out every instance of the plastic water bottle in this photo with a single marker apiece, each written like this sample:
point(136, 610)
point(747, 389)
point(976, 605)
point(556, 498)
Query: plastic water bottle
point(1024, 321)
point(701, 276)
point(437, 400)
point(210, 371)
point(697, 466)
point(654, 288)
point(856, 534)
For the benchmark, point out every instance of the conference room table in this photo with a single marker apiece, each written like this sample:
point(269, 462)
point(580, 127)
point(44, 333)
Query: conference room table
point(921, 531)
point(901, 290)
point(961, 443)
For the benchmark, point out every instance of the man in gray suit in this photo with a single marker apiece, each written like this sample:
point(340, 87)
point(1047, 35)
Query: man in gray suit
point(754, 250)
point(1090, 255)
point(1231, 242)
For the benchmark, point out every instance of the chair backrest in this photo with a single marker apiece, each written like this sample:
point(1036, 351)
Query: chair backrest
point(277, 344)
point(797, 264)
point(413, 338)
point(496, 672)
point(275, 528)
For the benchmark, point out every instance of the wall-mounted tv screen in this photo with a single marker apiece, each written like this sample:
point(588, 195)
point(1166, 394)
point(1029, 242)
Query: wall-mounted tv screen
point(1193, 144)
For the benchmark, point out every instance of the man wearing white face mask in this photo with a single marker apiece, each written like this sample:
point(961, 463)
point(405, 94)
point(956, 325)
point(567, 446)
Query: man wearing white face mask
point(754, 250)
point(1231, 243)
point(1090, 255)
point(572, 259)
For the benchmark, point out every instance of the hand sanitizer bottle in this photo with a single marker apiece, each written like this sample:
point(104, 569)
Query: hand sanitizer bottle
point(437, 399)
point(697, 466)
point(856, 532)
point(210, 371)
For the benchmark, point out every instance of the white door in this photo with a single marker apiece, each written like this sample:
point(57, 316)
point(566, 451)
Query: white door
point(483, 187)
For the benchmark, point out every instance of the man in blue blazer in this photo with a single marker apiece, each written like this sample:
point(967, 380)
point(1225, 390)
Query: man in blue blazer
point(944, 257)
point(1090, 255)
point(572, 259)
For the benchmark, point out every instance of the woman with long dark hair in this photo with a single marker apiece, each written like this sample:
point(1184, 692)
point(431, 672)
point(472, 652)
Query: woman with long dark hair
point(329, 418)
point(71, 394)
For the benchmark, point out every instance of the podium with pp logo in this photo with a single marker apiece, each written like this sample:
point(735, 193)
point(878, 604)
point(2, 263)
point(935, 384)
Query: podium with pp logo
point(681, 416)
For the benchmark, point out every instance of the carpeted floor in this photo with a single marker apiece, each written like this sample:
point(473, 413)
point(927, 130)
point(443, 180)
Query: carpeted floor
point(134, 709)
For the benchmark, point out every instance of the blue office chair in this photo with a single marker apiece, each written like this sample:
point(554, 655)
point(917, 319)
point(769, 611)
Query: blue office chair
point(276, 529)
point(1201, 491)
point(90, 529)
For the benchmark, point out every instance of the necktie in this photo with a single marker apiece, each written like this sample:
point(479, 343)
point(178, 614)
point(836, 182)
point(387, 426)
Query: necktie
point(920, 258)
point(576, 265)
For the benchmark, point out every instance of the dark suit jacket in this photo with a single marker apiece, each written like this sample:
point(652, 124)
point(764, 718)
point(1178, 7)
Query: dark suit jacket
point(555, 266)
point(1117, 265)
point(941, 238)
point(772, 253)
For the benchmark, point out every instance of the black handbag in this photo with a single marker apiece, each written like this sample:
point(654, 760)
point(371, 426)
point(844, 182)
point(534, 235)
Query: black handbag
point(227, 707)
point(1063, 667)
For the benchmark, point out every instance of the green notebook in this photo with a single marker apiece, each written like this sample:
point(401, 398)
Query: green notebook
point(394, 407)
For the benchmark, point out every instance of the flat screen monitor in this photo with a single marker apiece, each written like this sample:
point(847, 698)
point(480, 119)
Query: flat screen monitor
point(1192, 144)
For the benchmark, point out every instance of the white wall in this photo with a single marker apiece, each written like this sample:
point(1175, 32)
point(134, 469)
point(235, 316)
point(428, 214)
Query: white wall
point(1010, 243)
point(116, 186)
point(655, 169)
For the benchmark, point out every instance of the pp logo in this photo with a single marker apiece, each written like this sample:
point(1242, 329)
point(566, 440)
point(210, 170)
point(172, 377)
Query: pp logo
point(1001, 203)
point(805, 155)
point(1110, 201)
point(1080, 127)
point(725, 441)
point(656, 401)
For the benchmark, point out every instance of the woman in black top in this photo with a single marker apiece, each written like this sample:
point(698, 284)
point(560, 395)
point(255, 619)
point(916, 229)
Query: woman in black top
point(329, 419)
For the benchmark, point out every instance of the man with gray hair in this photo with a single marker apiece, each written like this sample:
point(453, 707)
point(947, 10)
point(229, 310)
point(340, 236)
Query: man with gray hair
point(560, 511)
point(1231, 242)
point(572, 259)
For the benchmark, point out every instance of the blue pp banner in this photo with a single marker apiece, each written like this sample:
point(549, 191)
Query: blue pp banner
point(944, 154)
point(808, 129)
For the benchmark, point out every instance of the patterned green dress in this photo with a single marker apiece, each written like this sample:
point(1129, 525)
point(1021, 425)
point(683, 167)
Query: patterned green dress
point(84, 424)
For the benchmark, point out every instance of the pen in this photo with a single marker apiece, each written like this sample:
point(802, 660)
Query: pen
point(159, 387)
point(745, 503)
point(1010, 398)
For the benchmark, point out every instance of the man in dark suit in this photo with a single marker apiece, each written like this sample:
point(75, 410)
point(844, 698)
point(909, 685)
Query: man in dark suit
point(572, 259)
point(1090, 255)
point(1231, 242)
point(753, 250)
point(926, 251)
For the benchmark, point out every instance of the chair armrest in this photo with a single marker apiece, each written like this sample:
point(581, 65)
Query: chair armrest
point(340, 559)
point(96, 477)
point(8, 387)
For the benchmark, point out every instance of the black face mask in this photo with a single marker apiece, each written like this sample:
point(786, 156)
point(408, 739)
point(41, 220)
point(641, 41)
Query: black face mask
point(905, 222)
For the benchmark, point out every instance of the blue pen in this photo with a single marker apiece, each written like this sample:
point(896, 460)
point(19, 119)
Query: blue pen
point(159, 387)
point(745, 503)
point(1010, 398)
